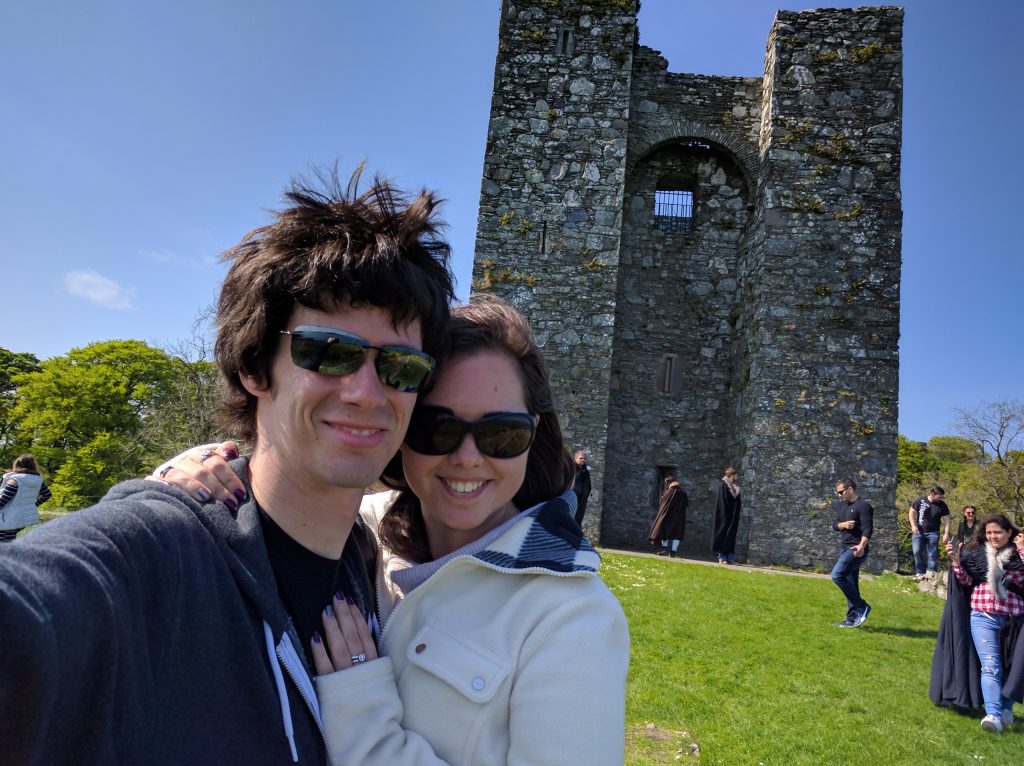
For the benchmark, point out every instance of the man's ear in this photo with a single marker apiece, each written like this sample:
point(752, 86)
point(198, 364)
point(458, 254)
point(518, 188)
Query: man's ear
point(254, 384)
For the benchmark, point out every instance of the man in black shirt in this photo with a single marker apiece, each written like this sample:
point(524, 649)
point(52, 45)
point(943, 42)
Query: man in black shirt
point(160, 630)
point(926, 515)
point(854, 518)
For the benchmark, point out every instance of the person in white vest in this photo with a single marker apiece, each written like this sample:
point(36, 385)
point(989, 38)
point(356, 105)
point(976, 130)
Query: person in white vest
point(23, 492)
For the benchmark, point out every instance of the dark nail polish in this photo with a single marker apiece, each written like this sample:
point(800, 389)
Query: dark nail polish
point(349, 601)
point(241, 495)
point(340, 596)
point(329, 610)
point(316, 636)
point(231, 504)
point(203, 495)
point(230, 454)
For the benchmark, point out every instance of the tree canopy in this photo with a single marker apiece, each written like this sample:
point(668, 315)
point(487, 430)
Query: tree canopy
point(107, 412)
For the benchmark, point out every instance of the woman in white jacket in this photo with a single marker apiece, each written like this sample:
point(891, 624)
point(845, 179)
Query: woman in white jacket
point(499, 643)
point(23, 491)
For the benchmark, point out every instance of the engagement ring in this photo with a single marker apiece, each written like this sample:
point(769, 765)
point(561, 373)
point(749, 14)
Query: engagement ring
point(205, 454)
point(357, 658)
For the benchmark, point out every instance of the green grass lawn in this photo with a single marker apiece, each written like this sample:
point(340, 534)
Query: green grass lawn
point(747, 666)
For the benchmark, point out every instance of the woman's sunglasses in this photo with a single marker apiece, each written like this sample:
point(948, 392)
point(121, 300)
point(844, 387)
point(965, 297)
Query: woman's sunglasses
point(335, 352)
point(436, 431)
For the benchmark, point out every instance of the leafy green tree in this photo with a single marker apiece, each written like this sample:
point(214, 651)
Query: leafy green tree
point(998, 430)
point(88, 472)
point(12, 364)
point(911, 460)
point(188, 411)
point(82, 414)
point(950, 454)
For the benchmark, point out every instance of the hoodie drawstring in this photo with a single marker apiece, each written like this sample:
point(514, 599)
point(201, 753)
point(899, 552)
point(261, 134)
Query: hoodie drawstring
point(282, 692)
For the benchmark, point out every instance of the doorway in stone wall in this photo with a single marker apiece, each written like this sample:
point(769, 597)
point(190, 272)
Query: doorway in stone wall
point(663, 472)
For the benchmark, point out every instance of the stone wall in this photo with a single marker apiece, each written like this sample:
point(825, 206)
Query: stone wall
point(779, 306)
point(822, 321)
point(551, 197)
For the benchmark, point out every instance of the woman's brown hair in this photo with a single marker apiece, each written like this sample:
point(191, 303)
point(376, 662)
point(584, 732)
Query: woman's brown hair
point(995, 518)
point(489, 324)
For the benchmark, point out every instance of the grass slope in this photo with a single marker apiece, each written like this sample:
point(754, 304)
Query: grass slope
point(747, 666)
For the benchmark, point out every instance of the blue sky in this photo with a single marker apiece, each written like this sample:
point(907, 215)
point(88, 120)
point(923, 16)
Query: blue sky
point(140, 139)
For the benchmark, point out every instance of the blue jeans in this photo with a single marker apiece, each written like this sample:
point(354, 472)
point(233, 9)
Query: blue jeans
point(926, 544)
point(846, 575)
point(985, 632)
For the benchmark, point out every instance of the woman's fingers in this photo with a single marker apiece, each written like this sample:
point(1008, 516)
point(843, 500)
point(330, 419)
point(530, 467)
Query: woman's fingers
point(204, 473)
point(346, 637)
point(321, 661)
point(338, 648)
point(363, 631)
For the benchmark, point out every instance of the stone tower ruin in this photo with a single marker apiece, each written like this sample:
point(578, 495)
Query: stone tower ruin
point(711, 264)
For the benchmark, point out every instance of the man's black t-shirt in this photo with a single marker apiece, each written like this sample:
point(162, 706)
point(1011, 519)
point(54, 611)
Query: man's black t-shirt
point(929, 513)
point(859, 511)
point(307, 582)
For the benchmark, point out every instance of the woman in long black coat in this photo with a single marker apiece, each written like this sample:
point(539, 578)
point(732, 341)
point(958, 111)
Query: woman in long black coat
point(727, 517)
point(956, 673)
point(670, 523)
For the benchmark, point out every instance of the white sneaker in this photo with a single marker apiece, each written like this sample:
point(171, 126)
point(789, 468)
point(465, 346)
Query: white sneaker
point(991, 723)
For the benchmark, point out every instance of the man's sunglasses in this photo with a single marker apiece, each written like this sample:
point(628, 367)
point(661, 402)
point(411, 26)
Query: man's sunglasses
point(335, 352)
point(436, 431)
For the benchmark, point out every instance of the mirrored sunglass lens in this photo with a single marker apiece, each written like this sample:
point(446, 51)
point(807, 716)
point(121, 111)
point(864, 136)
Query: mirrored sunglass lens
point(307, 353)
point(403, 371)
point(446, 434)
point(504, 438)
point(422, 435)
point(342, 358)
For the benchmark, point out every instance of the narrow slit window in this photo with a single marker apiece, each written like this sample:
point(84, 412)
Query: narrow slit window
point(673, 210)
point(566, 42)
point(667, 376)
point(542, 242)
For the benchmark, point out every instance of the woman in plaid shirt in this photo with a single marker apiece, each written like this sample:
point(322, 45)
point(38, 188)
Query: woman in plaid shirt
point(992, 563)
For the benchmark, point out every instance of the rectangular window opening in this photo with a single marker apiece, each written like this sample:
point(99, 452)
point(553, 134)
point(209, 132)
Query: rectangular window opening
point(667, 377)
point(542, 243)
point(673, 210)
point(566, 43)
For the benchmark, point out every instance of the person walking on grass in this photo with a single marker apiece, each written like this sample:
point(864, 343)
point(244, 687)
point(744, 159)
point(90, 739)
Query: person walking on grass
point(854, 518)
point(670, 524)
point(728, 505)
point(992, 564)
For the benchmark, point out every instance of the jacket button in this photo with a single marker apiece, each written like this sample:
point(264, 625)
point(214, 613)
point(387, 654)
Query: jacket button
point(479, 684)
point(420, 648)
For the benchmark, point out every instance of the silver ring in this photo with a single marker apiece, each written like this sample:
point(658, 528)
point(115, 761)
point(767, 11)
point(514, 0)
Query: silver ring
point(206, 453)
point(357, 658)
point(163, 471)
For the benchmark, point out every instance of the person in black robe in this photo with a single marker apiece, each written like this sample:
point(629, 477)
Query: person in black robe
point(956, 673)
point(727, 517)
point(670, 524)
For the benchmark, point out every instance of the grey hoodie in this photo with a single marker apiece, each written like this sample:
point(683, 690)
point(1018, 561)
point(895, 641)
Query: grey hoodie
point(148, 629)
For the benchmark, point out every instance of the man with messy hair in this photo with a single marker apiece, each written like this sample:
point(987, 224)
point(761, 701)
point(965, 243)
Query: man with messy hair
point(152, 629)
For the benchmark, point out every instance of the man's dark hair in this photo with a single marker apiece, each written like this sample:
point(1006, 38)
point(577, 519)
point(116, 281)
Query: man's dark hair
point(847, 483)
point(936, 490)
point(489, 324)
point(329, 249)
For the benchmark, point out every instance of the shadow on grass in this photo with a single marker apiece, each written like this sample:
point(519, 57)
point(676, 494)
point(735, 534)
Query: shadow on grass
point(904, 632)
